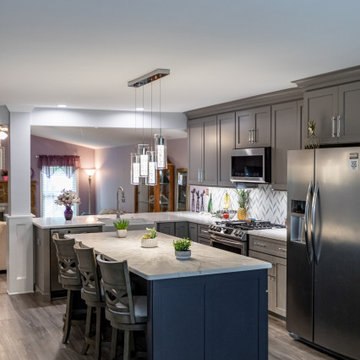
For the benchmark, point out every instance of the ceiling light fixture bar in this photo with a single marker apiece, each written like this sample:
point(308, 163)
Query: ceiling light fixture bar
point(149, 77)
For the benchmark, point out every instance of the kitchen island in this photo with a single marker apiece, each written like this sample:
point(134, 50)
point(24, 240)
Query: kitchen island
point(213, 306)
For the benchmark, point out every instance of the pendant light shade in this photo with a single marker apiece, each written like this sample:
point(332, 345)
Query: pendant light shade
point(152, 174)
point(135, 169)
point(161, 151)
point(144, 160)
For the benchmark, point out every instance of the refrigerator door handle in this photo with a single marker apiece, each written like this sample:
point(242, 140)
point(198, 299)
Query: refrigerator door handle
point(309, 250)
point(314, 209)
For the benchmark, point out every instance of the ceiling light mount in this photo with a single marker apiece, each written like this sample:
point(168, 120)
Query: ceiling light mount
point(149, 77)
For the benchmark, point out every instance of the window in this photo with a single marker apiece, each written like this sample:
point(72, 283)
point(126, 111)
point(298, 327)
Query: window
point(52, 187)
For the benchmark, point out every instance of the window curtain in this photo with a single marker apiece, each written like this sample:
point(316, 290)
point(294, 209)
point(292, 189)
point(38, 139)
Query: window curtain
point(49, 163)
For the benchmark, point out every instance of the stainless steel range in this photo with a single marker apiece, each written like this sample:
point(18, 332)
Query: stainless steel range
point(233, 235)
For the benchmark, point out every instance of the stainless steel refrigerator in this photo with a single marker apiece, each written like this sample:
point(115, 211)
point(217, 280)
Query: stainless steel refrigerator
point(323, 248)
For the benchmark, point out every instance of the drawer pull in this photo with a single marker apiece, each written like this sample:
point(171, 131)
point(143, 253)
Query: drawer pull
point(259, 244)
point(282, 249)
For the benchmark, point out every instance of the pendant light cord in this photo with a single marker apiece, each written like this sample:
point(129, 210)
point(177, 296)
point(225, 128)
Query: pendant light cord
point(143, 122)
point(160, 103)
point(151, 101)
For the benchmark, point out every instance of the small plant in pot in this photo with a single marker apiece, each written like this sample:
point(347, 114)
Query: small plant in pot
point(121, 228)
point(182, 251)
point(149, 240)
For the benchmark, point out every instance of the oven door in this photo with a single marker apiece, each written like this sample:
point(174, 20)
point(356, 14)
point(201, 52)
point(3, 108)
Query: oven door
point(235, 246)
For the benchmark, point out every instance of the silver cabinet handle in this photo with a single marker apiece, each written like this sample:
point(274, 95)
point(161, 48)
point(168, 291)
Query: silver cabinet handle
point(200, 175)
point(338, 126)
point(333, 126)
point(254, 135)
point(250, 136)
point(259, 244)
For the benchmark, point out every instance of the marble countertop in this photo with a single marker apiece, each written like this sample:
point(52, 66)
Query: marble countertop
point(135, 219)
point(160, 262)
point(276, 234)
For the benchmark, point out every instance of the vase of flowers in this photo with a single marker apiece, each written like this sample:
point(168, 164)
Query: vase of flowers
point(67, 198)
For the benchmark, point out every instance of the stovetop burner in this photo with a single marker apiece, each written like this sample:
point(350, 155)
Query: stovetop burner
point(248, 225)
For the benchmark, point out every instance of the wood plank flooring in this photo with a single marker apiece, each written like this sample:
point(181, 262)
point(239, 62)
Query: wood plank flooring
point(32, 329)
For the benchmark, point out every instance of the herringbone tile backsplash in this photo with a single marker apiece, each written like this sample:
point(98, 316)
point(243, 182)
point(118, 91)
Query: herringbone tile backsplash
point(264, 204)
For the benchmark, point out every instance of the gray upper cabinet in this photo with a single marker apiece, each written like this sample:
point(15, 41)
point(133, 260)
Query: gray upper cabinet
point(286, 135)
point(253, 127)
point(203, 151)
point(209, 167)
point(195, 136)
point(349, 112)
point(226, 143)
point(321, 106)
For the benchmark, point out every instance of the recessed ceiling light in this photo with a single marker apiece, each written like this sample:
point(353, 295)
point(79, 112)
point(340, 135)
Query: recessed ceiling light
point(62, 106)
point(139, 109)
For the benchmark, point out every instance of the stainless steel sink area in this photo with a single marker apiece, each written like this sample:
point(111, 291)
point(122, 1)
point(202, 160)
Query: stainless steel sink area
point(135, 223)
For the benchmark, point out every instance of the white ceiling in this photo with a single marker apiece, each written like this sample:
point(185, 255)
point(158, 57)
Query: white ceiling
point(83, 52)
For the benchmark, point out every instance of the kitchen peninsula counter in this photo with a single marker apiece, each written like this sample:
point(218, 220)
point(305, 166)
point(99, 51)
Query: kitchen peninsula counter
point(212, 306)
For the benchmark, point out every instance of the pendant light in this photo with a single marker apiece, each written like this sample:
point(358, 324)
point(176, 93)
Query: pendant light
point(145, 161)
point(160, 142)
point(152, 162)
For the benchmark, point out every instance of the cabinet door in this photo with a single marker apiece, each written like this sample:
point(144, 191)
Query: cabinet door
point(280, 282)
point(193, 231)
point(244, 124)
point(262, 120)
point(182, 229)
point(166, 228)
point(195, 150)
point(209, 157)
point(349, 111)
point(226, 143)
point(320, 106)
point(286, 135)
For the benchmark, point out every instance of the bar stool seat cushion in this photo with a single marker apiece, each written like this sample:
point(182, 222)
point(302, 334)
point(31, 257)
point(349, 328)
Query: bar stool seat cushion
point(140, 309)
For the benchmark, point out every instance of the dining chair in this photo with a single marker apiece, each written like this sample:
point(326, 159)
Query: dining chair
point(124, 311)
point(69, 277)
point(92, 295)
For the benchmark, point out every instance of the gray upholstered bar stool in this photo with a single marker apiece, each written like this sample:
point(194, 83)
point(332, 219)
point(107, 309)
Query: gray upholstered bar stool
point(124, 311)
point(69, 277)
point(91, 294)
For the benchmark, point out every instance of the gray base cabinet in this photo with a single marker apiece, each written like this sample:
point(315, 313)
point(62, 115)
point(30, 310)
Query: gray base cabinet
point(272, 251)
point(203, 234)
point(45, 259)
point(166, 228)
point(286, 135)
point(182, 229)
point(193, 232)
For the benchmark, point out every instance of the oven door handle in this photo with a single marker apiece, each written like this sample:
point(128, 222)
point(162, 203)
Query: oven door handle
point(216, 239)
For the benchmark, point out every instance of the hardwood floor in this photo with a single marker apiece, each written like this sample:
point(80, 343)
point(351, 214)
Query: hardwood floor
point(2, 283)
point(32, 329)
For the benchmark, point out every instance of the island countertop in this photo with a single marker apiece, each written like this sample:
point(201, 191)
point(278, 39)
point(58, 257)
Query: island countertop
point(160, 262)
point(134, 219)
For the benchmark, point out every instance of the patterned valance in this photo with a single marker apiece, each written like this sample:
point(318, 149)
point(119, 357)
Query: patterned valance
point(48, 163)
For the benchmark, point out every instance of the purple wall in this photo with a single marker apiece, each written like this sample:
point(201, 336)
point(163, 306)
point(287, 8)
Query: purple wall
point(42, 146)
point(113, 166)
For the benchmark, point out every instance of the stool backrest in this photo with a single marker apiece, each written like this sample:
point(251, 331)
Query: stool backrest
point(67, 262)
point(88, 271)
point(117, 288)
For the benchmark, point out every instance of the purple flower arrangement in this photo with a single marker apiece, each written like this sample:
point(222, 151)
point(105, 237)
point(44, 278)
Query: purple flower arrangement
point(67, 198)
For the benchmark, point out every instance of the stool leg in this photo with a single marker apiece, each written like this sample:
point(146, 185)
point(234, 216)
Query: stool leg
point(114, 337)
point(126, 355)
point(98, 333)
point(68, 315)
point(87, 330)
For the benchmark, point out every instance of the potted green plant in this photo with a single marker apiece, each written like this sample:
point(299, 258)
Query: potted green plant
point(182, 251)
point(121, 228)
point(243, 201)
point(149, 240)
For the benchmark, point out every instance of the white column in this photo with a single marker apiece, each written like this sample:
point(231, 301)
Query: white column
point(20, 276)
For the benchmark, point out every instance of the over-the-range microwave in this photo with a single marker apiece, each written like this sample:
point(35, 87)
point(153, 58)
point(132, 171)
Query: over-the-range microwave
point(251, 165)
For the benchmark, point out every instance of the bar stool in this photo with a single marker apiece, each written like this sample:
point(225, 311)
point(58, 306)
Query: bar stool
point(69, 277)
point(124, 311)
point(91, 294)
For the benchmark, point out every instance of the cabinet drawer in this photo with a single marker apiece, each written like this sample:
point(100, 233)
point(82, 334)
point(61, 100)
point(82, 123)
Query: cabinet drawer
point(268, 246)
point(203, 231)
point(166, 228)
point(204, 240)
